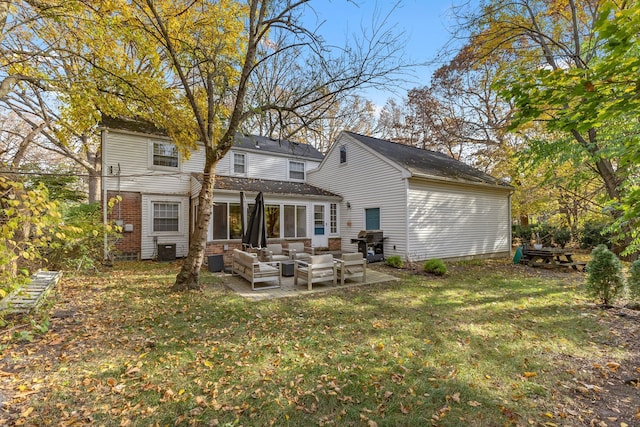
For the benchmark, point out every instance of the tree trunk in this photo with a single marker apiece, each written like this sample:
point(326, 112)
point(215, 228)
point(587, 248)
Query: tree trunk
point(189, 276)
point(94, 186)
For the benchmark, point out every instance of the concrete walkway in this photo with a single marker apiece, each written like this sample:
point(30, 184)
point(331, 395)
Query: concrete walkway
point(243, 288)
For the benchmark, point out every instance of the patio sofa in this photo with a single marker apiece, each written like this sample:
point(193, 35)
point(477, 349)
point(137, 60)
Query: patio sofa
point(254, 271)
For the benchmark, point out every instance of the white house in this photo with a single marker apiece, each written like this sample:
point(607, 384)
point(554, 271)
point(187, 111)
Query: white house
point(158, 188)
point(427, 204)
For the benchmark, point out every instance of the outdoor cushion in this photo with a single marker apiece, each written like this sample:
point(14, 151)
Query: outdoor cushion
point(266, 268)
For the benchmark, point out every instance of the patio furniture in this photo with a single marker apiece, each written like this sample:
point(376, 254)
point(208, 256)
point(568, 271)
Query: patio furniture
point(273, 252)
point(287, 268)
point(254, 271)
point(550, 258)
point(351, 266)
point(319, 268)
point(297, 250)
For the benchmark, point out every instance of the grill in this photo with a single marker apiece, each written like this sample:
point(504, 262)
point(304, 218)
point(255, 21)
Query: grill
point(370, 245)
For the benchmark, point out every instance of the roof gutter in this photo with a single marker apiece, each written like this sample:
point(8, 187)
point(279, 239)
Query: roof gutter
point(463, 182)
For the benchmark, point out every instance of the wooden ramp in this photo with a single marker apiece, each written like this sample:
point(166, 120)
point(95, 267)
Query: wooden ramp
point(32, 295)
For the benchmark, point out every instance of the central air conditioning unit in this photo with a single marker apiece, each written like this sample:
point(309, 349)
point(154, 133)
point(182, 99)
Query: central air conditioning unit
point(166, 252)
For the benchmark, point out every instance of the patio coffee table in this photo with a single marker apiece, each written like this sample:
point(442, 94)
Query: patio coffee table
point(287, 268)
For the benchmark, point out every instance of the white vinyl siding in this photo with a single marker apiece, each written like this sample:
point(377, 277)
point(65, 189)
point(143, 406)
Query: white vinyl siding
point(365, 181)
point(451, 221)
point(128, 167)
point(267, 166)
point(151, 238)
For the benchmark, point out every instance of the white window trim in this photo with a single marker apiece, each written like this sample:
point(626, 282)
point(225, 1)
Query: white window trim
point(159, 167)
point(233, 163)
point(180, 218)
point(337, 232)
point(304, 171)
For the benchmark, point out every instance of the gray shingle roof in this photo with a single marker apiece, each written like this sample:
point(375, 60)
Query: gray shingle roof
point(267, 186)
point(421, 162)
point(281, 146)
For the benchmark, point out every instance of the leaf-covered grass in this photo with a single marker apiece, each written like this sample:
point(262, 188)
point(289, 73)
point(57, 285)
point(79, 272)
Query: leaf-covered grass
point(482, 346)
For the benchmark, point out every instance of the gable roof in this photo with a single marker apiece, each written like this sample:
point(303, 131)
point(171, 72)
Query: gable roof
point(426, 163)
point(247, 142)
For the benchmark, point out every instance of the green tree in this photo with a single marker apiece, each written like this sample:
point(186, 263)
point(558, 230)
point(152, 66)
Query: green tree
point(564, 75)
point(604, 277)
point(633, 281)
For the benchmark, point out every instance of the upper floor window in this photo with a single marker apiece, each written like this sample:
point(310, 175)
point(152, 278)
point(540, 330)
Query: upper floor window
point(239, 164)
point(165, 154)
point(343, 154)
point(296, 170)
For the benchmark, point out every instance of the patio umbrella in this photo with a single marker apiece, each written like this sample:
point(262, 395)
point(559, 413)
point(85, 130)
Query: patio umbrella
point(255, 235)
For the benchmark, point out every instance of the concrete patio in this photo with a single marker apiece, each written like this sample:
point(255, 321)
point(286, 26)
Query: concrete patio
point(243, 288)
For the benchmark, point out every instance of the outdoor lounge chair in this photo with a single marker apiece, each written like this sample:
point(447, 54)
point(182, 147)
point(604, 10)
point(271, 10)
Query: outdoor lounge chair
point(319, 268)
point(273, 252)
point(247, 265)
point(350, 266)
point(297, 250)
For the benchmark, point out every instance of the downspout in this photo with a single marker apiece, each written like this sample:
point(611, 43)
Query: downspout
point(104, 190)
point(406, 221)
point(510, 242)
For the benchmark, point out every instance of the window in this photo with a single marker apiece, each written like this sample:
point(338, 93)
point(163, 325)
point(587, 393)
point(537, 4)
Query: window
point(226, 221)
point(272, 213)
point(235, 224)
point(296, 170)
point(333, 218)
point(343, 154)
point(166, 217)
point(239, 164)
point(372, 218)
point(295, 221)
point(165, 154)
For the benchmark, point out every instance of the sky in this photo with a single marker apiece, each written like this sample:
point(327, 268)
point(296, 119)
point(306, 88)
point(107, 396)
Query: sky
point(426, 25)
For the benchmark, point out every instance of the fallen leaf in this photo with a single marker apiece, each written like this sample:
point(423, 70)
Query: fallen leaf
point(613, 366)
point(474, 403)
point(530, 374)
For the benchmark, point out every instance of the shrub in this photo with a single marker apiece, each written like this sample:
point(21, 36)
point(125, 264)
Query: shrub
point(593, 234)
point(522, 232)
point(435, 266)
point(394, 261)
point(604, 278)
point(78, 241)
point(634, 281)
point(562, 236)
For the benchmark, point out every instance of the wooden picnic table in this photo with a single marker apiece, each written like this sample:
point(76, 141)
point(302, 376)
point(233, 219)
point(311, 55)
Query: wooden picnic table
point(550, 258)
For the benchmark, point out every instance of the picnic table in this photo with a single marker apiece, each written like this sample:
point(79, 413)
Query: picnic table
point(550, 258)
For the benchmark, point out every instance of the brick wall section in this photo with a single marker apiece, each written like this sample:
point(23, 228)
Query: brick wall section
point(129, 210)
point(335, 244)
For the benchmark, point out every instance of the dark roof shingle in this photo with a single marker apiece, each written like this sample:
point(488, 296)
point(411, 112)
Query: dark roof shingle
point(426, 162)
point(267, 186)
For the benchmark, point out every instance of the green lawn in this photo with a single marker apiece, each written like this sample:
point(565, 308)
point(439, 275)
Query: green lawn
point(490, 344)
